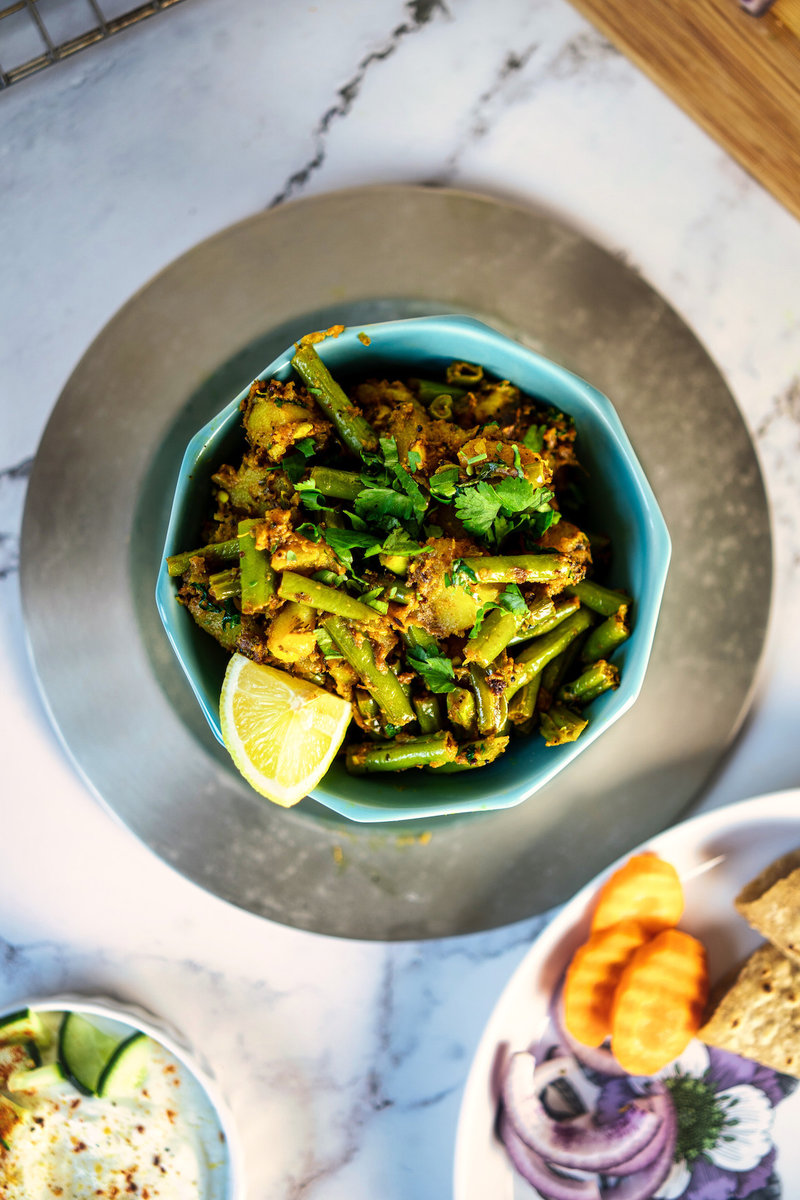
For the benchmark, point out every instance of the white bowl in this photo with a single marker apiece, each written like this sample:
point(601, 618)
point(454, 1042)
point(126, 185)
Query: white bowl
point(211, 1116)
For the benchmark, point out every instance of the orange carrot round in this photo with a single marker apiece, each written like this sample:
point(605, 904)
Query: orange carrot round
point(592, 978)
point(659, 1001)
point(645, 888)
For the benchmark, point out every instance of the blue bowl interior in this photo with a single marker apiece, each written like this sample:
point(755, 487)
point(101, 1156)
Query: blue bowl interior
point(619, 495)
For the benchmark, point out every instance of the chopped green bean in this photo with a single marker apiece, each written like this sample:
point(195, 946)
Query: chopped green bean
point(601, 599)
point(560, 724)
point(519, 568)
point(535, 657)
point(560, 609)
point(461, 708)
point(523, 705)
point(429, 713)
point(216, 552)
point(416, 638)
point(225, 584)
point(491, 705)
point(473, 754)
point(398, 593)
point(382, 684)
point(330, 578)
point(257, 576)
point(609, 634)
point(442, 407)
point(495, 633)
point(353, 428)
point(432, 749)
point(328, 599)
point(557, 670)
point(428, 390)
point(341, 485)
point(595, 680)
point(369, 713)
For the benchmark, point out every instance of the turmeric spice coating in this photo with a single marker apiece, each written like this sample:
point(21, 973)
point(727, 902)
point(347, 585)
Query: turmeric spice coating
point(413, 546)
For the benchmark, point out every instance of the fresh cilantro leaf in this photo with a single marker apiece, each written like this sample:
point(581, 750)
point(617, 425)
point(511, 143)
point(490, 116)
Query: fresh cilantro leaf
point(326, 643)
point(384, 507)
point(294, 465)
point(306, 446)
point(412, 490)
point(461, 572)
point(477, 507)
point(443, 483)
point(534, 438)
point(515, 494)
point(310, 496)
point(358, 523)
point(436, 670)
point(343, 541)
point(480, 616)
point(538, 523)
point(461, 576)
point(512, 599)
point(399, 542)
point(389, 451)
point(414, 460)
point(501, 529)
point(309, 531)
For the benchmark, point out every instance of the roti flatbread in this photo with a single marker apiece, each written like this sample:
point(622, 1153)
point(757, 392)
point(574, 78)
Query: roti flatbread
point(759, 1016)
point(771, 904)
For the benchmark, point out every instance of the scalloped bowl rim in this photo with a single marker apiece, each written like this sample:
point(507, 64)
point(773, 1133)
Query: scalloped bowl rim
point(416, 338)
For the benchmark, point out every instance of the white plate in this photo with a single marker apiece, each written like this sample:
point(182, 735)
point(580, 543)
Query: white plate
point(716, 854)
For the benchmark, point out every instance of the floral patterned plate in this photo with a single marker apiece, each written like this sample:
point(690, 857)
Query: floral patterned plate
point(737, 1121)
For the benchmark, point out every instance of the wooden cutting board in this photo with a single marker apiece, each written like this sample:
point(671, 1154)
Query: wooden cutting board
point(737, 75)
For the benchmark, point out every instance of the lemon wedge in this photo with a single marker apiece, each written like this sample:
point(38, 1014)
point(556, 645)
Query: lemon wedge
point(281, 732)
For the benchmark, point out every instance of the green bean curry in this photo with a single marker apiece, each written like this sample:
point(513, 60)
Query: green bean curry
point(412, 546)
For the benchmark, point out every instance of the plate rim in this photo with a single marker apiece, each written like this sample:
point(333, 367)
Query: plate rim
point(410, 920)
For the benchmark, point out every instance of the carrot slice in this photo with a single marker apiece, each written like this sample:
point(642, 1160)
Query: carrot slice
point(659, 1001)
point(645, 888)
point(592, 978)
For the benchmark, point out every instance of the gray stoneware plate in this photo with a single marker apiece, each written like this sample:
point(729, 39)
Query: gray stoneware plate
point(186, 344)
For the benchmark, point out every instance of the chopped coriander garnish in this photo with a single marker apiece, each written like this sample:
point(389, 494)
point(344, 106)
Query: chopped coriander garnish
point(435, 669)
point(534, 438)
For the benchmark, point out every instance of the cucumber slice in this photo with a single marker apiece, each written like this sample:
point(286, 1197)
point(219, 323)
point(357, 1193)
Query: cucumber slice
point(41, 1079)
point(14, 1056)
point(84, 1051)
point(10, 1116)
point(34, 1052)
point(128, 1068)
point(24, 1024)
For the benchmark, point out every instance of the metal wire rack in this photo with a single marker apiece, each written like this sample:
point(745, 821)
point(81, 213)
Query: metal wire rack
point(35, 34)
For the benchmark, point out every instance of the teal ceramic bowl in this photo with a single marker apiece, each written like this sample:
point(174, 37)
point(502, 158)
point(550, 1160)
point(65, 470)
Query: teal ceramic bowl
point(617, 490)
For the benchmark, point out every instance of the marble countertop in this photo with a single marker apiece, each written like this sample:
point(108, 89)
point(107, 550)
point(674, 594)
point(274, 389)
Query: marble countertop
point(343, 1061)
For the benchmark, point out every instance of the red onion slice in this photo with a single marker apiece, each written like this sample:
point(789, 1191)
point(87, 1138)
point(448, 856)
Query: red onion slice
point(533, 1168)
point(579, 1142)
point(644, 1184)
point(663, 1142)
